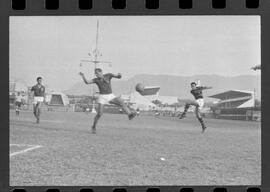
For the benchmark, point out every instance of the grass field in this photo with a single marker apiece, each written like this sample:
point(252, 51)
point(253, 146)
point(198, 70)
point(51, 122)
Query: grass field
point(145, 151)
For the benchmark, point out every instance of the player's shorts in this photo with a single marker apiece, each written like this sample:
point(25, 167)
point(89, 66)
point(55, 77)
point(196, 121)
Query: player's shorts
point(200, 103)
point(38, 99)
point(18, 103)
point(105, 98)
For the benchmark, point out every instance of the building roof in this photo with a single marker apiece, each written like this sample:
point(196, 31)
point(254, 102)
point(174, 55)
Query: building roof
point(138, 100)
point(231, 94)
point(235, 99)
point(57, 98)
point(150, 90)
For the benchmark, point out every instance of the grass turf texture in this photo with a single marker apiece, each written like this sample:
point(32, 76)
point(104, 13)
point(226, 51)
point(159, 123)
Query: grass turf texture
point(144, 151)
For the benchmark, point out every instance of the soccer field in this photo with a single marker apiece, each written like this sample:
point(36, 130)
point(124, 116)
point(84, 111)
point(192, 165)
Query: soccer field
point(145, 151)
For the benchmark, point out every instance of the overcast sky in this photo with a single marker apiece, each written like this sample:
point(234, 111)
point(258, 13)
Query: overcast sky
point(53, 46)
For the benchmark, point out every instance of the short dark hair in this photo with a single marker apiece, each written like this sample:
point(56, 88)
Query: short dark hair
point(98, 70)
point(39, 78)
point(193, 83)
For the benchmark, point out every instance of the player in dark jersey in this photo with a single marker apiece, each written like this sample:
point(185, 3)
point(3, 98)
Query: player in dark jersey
point(103, 81)
point(39, 96)
point(196, 91)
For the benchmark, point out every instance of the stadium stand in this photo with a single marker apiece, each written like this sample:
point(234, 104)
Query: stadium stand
point(236, 105)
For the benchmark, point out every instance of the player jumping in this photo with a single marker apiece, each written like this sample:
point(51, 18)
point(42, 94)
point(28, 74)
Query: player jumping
point(196, 91)
point(39, 95)
point(103, 81)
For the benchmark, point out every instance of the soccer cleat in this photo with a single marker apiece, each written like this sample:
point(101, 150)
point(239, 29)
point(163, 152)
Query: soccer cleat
point(203, 129)
point(182, 116)
point(202, 124)
point(94, 131)
point(37, 120)
point(131, 116)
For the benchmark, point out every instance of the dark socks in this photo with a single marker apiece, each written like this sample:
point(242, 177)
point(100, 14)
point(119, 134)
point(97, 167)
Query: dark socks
point(202, 122)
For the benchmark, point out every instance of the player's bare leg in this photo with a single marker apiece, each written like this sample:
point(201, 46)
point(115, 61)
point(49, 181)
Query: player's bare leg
point(17, 110)
point(199, 117)
point(36, 111)
point(97, 117)
point(118, 101)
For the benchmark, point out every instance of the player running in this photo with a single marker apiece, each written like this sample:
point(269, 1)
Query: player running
point(39, 96)
point(18, 103)
point(103, 81)
point(196, 91)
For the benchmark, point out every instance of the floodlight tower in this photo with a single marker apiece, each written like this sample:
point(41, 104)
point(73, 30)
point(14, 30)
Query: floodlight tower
point(94, 60)
point(256, 67)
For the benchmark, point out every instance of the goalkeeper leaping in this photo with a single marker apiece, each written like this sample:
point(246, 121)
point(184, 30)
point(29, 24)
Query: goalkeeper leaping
point(196, 91)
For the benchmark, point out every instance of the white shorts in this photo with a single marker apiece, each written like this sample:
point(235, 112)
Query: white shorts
point(105, 98)
point(38, 99)
point(200, 103)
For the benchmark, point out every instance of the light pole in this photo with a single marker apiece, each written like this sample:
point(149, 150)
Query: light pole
point(96, 53)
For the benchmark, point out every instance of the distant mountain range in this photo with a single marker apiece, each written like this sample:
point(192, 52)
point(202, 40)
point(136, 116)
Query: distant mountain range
point(178, 86)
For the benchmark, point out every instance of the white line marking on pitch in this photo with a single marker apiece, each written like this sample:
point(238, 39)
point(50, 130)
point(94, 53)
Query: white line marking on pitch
point(33, 120)
point(31, 147)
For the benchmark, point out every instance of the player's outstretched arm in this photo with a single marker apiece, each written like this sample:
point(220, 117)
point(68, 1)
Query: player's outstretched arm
point(118, 76)
point(204, 87)
point(207, 87)
point(257, 67)
point(85, 80)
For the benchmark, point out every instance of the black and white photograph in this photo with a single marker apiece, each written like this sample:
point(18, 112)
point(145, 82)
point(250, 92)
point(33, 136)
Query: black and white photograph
point(134, 100)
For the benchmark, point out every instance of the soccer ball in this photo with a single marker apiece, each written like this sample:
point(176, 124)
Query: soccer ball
point(139, 87)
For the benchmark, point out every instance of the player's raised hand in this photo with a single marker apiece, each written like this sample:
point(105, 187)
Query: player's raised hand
point(81, 74)
point(119, 75)
point(257, 67)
